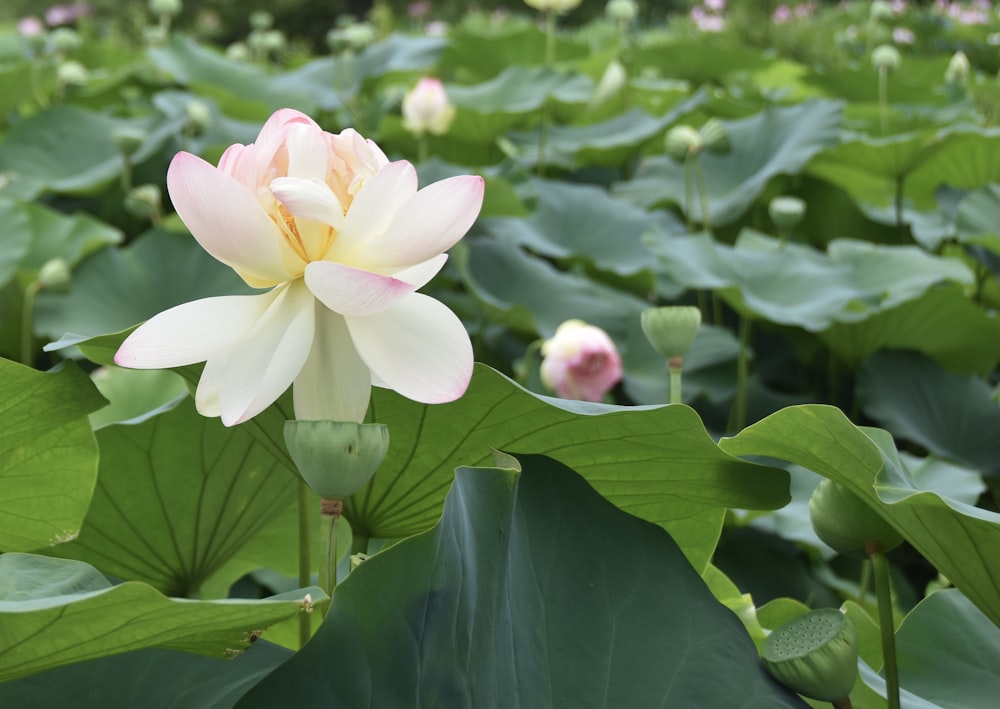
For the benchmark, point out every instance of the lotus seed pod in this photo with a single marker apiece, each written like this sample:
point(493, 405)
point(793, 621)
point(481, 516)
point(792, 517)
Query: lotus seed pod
point(885, 57)
point(272, 40)
point(786, 211)
point(880, 11)
point(261, 20)
point(128, 139)
point(72, 73)
point(65, 40)
point(336, 458)
point(815, 654)
point(681, 141)
point(714, 136)
point(623, 11)
point(170, 8)
point(957, 73)
point(55, 275)
point(846, 523)
point(671, 330)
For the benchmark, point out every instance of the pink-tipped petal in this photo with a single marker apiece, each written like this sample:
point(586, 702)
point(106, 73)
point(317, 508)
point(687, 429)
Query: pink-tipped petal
point(369, 215)
point(417, 347)
point(192, 332)
point(308, 199)
point(248, 377)
point(271, 135)
point(351, 291)
point(420, 275)
point(226, 220)
point(334, 383)
point(429, 223)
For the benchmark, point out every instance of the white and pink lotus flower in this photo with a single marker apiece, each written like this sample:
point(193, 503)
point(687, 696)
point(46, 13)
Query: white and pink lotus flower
point(340, 239)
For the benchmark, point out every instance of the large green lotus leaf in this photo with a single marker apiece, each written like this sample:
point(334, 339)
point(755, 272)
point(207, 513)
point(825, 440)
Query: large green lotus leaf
point(917, 399)
point(477, 54)
point(56, 235)
point(698, 61)
point(917, 81)
point(220, 131)
point(656, 463)
point(59, 611)
point(608, 143)
point(532, 590)
point(177, 495)
point(117, 288)
point(16, 87)
point(70, 149)
point(48, 457)
point(948, 653)
point(164, 679)
point(778, 141)
point(961, 541)
point(134, 393)
point(520, 90)
point(17, 238)
point(397, 53)
point(796, 285)
point(204, 69)
point(943, 323)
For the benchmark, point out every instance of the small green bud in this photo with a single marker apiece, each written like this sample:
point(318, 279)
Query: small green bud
point(238, 51)
point(143, 201)
point(65, 40)
point(72, 73)
point(815, 654)
point(681, 141)
point(612, 81)
point(957, 73)
point(336, 458)
point(714, 136)
point(880, 11)
point(671, 330)
point(199, 114)
point(786, 211)
point(272, 41)
point(359, 35)
point(846, 523)
point(170, 8)
point(623, 11)
point(128, 139)
point(261, 20)
point(885, 57)
point(55, 275)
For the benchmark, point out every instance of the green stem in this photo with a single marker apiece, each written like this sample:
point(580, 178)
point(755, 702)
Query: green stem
point(883, 592)
point(676, 369)
point(27, 323)
point(688, 194)
point(738, 414)
point(550, 38)
point(359, 543)
point(883, 98)
point(866, 578)
point(305, 549)
point(898, 204)
point(329, 514)
point(422, 149)
point(706, 220)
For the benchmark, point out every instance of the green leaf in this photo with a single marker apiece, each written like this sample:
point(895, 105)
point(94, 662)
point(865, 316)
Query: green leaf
point(178, 494)
point(951, 415)
point(48, 457)
point(518, 90)
point(778, 141)
point(961, 541)
point(948, 651)
point(531, 591)
point(117, 288)
point(150, 678)
point(57, 611)
point(658, 464)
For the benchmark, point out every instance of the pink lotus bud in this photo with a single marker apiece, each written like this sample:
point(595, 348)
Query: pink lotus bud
point(426, 108)
point(580, 362)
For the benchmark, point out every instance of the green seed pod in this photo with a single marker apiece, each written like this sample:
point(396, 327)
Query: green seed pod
point(143, 201)
point(671, 330)
point(682, 140)
point(885, 57)
point(72, 73)
point(714, 136)
point(786, 211)
point(199, 114)
point(815, 654)
point(170, 8)
point(261, 20)
point(621, 10)
point(880, 11)
point(65, 40)
point(846, 523)
point(128, 139)
point(336, 458)
point(55, 275)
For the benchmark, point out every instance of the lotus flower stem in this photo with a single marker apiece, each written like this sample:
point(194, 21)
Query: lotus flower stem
point(550, 37)
point(738, 414)
point(675, 365)
point(359, 543)
point(27, 323)
point(329, 513)
point(883, 98)
point(305, 548)
point(688, 193)
point(699, 174)
point(883, 593)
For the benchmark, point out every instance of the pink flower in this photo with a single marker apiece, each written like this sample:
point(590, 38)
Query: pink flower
point(341, 239)
point(426, 108)
point(580, 362)
point(782, 14)
point(30, 26)
point(902, 35)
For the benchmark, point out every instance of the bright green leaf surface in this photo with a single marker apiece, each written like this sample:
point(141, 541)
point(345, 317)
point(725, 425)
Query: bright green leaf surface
point(58, 611)
point(962, 541)
point(531, 591)
point(48, 457)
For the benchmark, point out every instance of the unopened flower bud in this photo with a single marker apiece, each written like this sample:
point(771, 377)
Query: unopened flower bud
point(238, 51)
point(681, 141)
point(557, 6)
point(885, 57)
point(65, 40)
point(580, 362)
point(786, 211)
point(426, 108)
point(815, 654)
point(846, 523)
point(55, 275)
point(623, 11)
point(199, 114)
point(72, 73)
point(359, 35)
point(880, 11)
point(957, 73)
point(128, 139)
point(671, 330)
point(143, 201)
point(170, 8)
point(261, 20)
point(714, 136)
point(272, 40)
point(612, 81)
